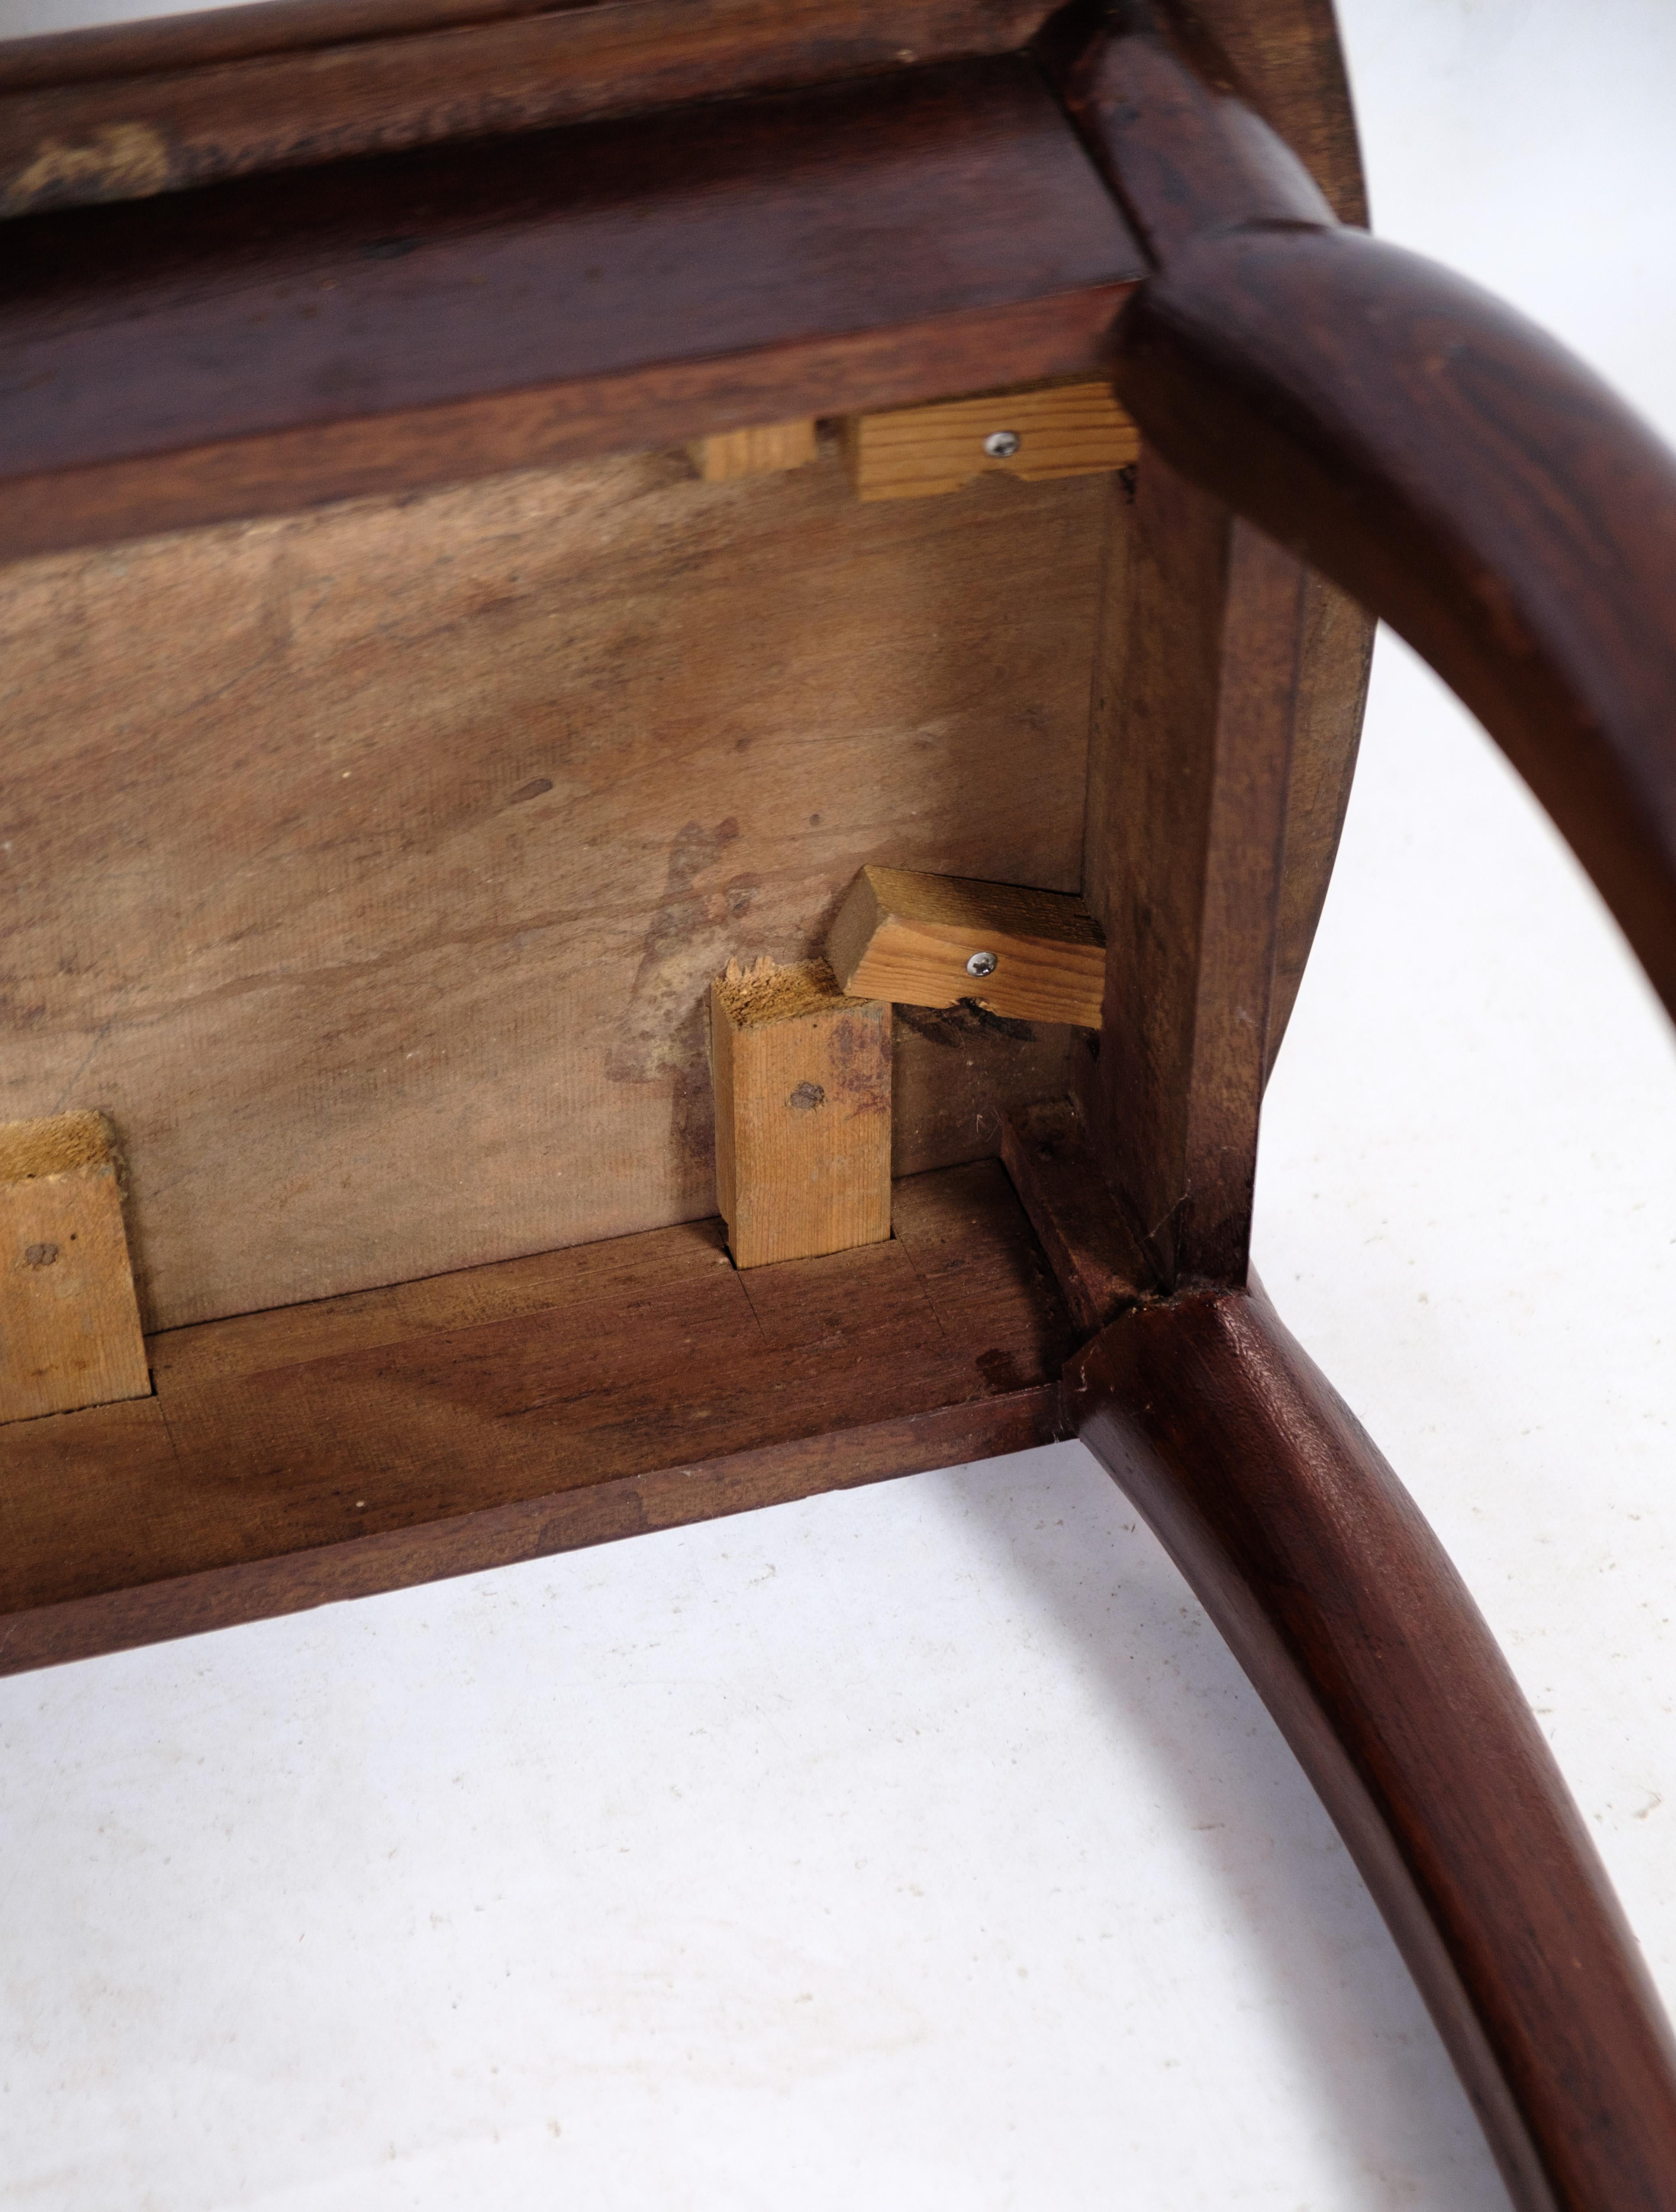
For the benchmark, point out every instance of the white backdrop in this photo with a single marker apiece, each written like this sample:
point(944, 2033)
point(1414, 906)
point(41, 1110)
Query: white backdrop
point(921, 1849)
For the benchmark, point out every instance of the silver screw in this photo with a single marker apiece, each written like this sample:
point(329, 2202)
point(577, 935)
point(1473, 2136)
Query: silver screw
point(1000, 446)
point(982, 963)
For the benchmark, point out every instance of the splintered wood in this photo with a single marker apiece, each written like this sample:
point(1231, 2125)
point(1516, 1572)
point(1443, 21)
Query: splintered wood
point(754, 452)
point(802, 1112)
point(70, 1324)
point(1035, 432)
point(929, 940)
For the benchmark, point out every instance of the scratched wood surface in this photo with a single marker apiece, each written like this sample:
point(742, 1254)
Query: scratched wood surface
point(363, 1443)
point(369, 867)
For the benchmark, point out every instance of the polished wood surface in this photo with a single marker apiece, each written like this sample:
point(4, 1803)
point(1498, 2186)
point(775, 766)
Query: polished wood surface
point(1365, 1646)
point(1461, 477)
point(1447, 462)
point(440, 314)
point(1305, 397)
point(327, 1450)
point(127, 110)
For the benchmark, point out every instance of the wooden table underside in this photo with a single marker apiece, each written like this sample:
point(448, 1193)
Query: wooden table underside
point(361, 1444)
point(1305, 394)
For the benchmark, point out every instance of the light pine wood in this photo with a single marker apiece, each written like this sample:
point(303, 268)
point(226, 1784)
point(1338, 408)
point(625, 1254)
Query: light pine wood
point(802, 1112)
point(753, 452)
point(382, 907)
point(69, 1325)
point(1062, 429)
point(907, 936)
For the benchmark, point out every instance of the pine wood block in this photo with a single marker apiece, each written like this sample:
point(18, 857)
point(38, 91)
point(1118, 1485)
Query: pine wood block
point(928, 940)
point(754, 452)
point(70, 1322)
point(802, 1112)
point(1036, 432)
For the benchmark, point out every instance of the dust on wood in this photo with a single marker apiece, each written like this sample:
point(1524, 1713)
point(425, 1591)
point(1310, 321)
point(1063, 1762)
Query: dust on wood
point(372, 866)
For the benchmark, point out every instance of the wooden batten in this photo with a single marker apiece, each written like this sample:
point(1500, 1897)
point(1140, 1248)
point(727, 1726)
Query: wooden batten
point(802, 1112)
point(930, 941)
point(70, 1322)
point(1038, 432)
point(754, 452)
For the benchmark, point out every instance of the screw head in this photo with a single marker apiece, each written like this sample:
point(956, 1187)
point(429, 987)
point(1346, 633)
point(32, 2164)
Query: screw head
point(1002, 445)
point(982, 963)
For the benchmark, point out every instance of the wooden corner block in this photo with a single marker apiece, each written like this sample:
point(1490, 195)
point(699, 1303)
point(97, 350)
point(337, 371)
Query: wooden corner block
point(935, 940)
point(802, 1112)
point(753, 452)
point(70, 1322)
point(1036, 432)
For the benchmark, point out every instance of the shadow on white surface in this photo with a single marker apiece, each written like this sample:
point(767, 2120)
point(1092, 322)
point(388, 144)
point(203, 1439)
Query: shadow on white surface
point(919, 1847)
point(922, 1847)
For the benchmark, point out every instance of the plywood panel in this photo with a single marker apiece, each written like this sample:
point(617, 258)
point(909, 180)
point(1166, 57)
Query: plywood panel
point(369, 867)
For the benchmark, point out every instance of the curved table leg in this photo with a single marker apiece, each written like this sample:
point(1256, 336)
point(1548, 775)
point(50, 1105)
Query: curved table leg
point(1365, 1646)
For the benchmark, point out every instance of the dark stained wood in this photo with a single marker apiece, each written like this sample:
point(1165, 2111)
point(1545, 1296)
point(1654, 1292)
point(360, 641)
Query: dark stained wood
point(1161, 112)
point(1191, 752)
point(1283, 58)
point(1461, 477)
point(1096, 1258)
point(1435, 454)
point(438, 315)
point(128, 110)
point(1367, 1648)
point(1335, 659)
point(363, 1443)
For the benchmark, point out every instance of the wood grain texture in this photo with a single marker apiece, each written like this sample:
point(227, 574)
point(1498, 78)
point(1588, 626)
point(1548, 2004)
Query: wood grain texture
point(1062, 431)
point(1428, 449)
point(905, 935)
point(381, 910)
point(1281, 58)
point(330, 1451)
point(1367, 1648)
point(70, 1326)
point(802, 1112)
point(758, 451)
point(436, 315)
point(1475, 487)
point(1186, 858)
point(129, 110)
point(1335, 659)
point(1051, 1159)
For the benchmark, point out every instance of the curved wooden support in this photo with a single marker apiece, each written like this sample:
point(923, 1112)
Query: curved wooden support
point(1364, 1644)
point(1470, 481)
point(1424, 447)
